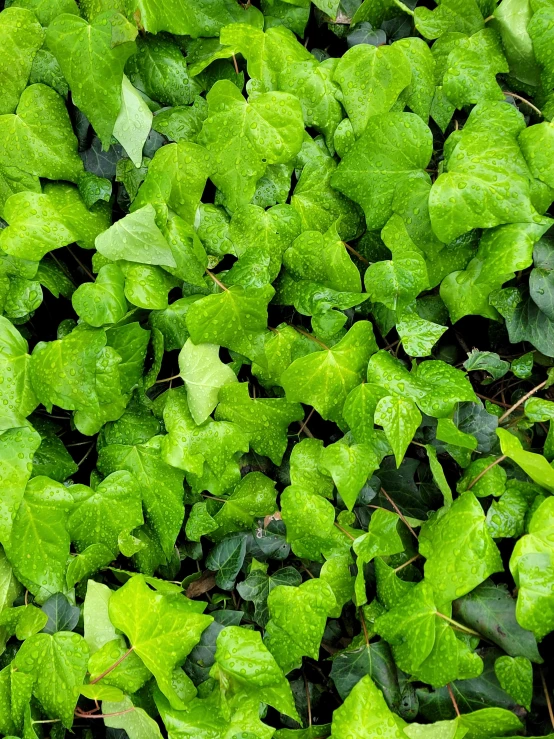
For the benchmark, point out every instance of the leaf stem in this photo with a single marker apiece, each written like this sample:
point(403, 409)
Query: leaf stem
point(217, 282)
point(454, 703)
point(309, 336)
point(547, 696)
point(364, 627)
point(401, 515)
point(308, 699)
point(81, 265)
point(490, 18)
point(304, 424)
point(104, 715)
point(168, 379)
point(458, 626)
point(523, 100)
point(356, 253)
point(522, 400)
point(409, 562)
point(235, 64)
point(112, 667)
point(345, 532)
point(403, 7)
point(484, 472)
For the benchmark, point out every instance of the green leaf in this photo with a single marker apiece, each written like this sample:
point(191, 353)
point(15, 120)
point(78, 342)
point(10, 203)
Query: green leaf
point(472, 67)
point(382, 539)
point(58, 664)
point(304, 468)
point(17, 447)
point(470, 194)
point(419, 336)
point(20, 38)
point(176, 176)
point(243, 664)
point(534, 465)
point(488, 361)
point(400, 420)
point(40, 526)
point(87, 563)
point(535, 604)
point(161, 487)
point(459, 556)
point(92, 58)
point(397, 282)
point(245, 137)
point(204, 374)
point(264, 420)
point(63, 372)
point(136, 238)
point(258, 585)
point(371, 79)
point(309, 519)
point(298, 618)
point(491, 610)
point(350, 467)
point(162, 629)
point(235, 318)
point(183, 18)
point(423, 642)
point(102, 302)
point(159, 69)
point(62, 616)
point(132, 719)
point(392, 148)
point(463, 16)
point(226, 559)
point(540, 31)
point(39, 137)
point(133, 122)
point(512, 20)
point(16, 394)
point(365, 714)
point(253, 498)
point(324, 379)
point(99, 516)
point(515, 675)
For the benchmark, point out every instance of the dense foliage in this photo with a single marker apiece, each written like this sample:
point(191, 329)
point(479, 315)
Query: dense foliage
point(277, 297)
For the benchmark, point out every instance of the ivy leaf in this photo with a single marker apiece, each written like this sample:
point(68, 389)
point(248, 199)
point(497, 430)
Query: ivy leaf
point(396, 282)
point(16, 394)
point(309, 519)
point(87, 563)
point(253, 497)
point(92, 58)
point(162, 629)
point(350, 467)
point(304, 468)
point(400, 420)
point(324, 379)
point(58, 664)
point(161, 487)
point(208, 319)
point(467, 173)
point(419, 336)
point(540, 31)
point(449, 16)
point(132, 719)
point(40, 526)
point(421, 90)
point(458, 556)
point(264, 420)
point(364, 714)
point(258, 585)
point(226, 559)
point(298, 618)
point(384, 69)
point(491, 610)
point(382, 539)
point(535, 465)
point(39, 136)
point(62, 616)
point(515, 675)
point(133, 122)
point(254, 671)
point(488, 361)
point(100, 516)
point(392, 148)
point(271, 123)
point(20, 38)
point(180, 17)
point(204, 374)
point(102, 302)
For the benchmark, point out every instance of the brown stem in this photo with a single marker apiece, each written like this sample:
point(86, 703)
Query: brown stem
point(310, 336)
point(522, 400)
point(217, 282)
point(81, 265)
point(345, 532)
point(451, 694)
point(409, 562)
point(397, 509)
point(490, 18)
point(494, 402)
point(305, 422)
point(523, 100)
point(80, 714)
point(235, 63)
point(484, 472)
point(356, 253)
point(86, 455)
point(547, 696)
point(112, 667)
point(168, 379)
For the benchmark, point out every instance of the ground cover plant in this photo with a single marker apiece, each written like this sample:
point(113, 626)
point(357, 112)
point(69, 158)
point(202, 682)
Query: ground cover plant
point(276, 351)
